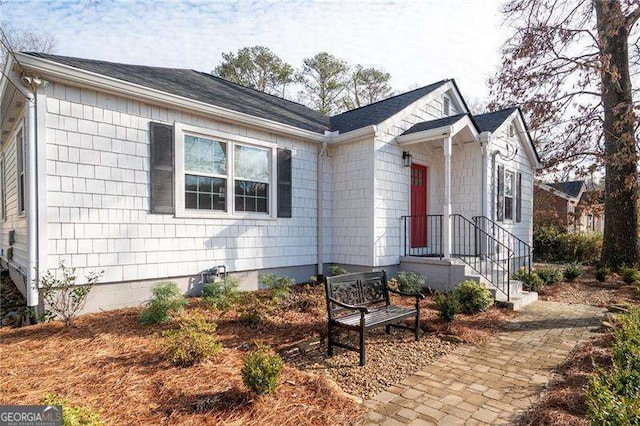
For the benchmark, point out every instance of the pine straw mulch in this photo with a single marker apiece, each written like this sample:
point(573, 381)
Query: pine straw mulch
point(111, 363)
point(587, 290)
point(391, 358)
point(564, 403)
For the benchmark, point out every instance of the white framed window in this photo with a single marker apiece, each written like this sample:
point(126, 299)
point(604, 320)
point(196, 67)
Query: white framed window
point(446, 106)
point(3, 187)
point(20, 169)
point(509, 194)
point(223, 175)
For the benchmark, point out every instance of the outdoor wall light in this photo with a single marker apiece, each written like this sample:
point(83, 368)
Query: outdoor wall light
point(406, 158)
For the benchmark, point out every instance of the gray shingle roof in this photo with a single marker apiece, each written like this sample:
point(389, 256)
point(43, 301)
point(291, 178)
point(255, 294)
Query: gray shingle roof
point(205, 88)
point(377, 112)
point(490, 121)
point(434, 124)
point(571, 188)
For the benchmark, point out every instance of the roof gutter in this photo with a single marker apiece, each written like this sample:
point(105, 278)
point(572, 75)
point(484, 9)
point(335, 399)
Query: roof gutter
point(83, 78)
point(336, 138)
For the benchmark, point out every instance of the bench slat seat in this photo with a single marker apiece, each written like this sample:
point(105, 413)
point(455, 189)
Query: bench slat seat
point(382, 315)
point(360, 302)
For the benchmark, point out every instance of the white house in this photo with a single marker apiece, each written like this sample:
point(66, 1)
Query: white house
point(153, 173)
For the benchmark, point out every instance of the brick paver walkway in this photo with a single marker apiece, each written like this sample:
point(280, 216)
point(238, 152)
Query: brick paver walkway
point(492, 383)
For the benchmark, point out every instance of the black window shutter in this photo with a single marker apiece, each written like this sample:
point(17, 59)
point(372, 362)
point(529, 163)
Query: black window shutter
point(500, 195)
point(519, 197)
point(284, 182)
point(161, 168)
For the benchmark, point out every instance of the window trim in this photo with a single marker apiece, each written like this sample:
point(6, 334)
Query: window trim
point(446, 100)
point(21, 207)
point(512, 196)
point(3, 187)
point(231, 140)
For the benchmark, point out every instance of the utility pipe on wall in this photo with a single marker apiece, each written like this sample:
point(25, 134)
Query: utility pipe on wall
point(31, 201)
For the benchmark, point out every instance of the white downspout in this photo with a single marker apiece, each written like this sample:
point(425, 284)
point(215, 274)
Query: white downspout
point(484, 137)
point(320, 215)
point(31, 199)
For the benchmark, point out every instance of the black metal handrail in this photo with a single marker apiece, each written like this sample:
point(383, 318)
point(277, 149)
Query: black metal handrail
point(522, 250)
point(423, 235)
point(482, 252)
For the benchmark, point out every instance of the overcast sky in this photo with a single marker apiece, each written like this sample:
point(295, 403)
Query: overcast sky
point(417, 42)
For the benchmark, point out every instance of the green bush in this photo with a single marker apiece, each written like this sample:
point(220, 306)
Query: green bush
point(278, 285)
point(221, 294)
point(337, 270)
point(573, 271)
point(630, 275)
point(61, 295)
point(473, 297)
point(253, 311)
point(261, 370)
point(73, 415)
point(613, 396)
point(448, 305)
point(555, 245)
point(192, 343)
point(550, 276)
point(530, 280)
point(410, 282)
point(602, 273)
point(167, 300)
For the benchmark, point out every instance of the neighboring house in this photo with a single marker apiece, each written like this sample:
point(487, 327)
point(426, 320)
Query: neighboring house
point(569, 205)
point(153, 173)
point(589, 215)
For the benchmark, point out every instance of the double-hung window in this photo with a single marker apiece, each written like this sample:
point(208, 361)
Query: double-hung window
point(20, 160)
point(509, 193)
point(224, 174)
point(205, 178)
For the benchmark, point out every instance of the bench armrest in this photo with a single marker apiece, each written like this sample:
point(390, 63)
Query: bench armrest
point(362, 309)
point(402, 293)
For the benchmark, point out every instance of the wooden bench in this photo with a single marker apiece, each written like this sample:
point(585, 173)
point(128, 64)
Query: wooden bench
point(360, 302)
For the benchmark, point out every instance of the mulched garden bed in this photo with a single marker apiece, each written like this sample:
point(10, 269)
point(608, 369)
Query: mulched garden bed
point(587, 290)
point(111, 363)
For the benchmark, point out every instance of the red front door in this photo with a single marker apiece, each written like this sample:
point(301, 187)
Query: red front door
point(418, 206)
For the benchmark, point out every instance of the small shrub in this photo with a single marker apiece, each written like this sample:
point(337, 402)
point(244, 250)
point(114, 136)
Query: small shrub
point(261, 370)
point(62, 296)
point(602, 273)
point(221, 294)
point(253, 311)
point(410, 282)
point(530, 280)
point(278, 285)
point(337, 270)
point(573, 271)
point(73, 415)
point(473, 297)
point(613, 396)
point(448, 305)
point(193, 342)
point(630, 275)
point(167, 300)
point(556, 245)
point(550, 276)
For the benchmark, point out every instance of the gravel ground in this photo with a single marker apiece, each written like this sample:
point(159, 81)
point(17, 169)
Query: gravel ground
point(390, 358)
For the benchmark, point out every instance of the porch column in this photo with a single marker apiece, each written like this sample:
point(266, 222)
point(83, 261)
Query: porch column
point(446, 207)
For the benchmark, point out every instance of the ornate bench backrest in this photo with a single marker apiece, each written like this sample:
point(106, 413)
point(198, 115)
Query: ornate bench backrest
point(360, 289)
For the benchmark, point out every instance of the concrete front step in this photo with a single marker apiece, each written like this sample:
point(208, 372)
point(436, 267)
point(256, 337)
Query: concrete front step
point(517, 299)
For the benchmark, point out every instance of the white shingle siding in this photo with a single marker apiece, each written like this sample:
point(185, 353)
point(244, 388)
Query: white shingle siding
point(98, 196)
